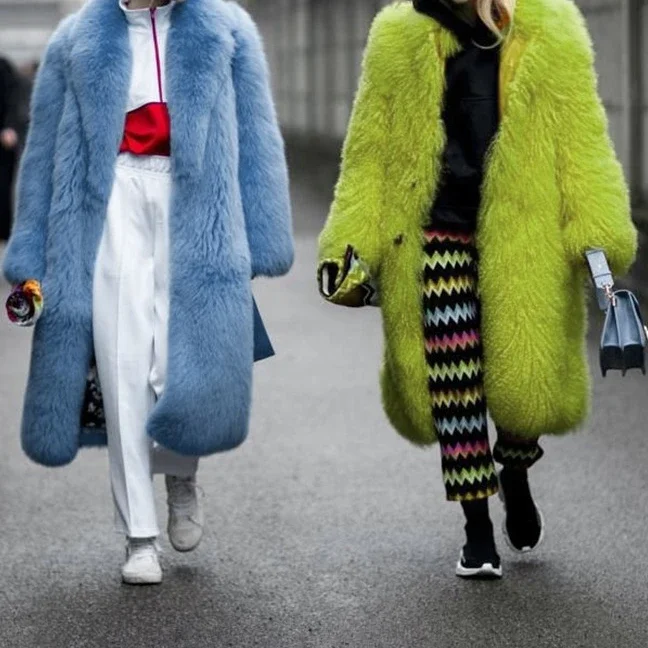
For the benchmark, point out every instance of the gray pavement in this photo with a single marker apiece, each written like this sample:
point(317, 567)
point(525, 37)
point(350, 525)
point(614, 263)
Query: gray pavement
point(326, 529)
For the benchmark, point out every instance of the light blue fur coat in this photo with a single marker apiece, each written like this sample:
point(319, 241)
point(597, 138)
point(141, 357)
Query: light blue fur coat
point(230, 219)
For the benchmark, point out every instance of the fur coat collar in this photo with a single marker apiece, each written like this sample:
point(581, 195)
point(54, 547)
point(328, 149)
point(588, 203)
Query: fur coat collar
point(100, 42)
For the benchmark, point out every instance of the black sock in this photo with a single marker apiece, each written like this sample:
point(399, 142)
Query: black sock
point(480, 541)
point(476, 510)
point(513, 472)
point(479, 527)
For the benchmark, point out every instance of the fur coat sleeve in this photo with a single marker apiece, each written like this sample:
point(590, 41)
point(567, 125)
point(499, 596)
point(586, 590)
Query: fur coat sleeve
point(263, 173)
point(356, 213)
point(25, 255)
point(595, 196)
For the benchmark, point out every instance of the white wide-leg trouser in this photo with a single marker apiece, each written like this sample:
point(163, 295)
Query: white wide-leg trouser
point(130, 322)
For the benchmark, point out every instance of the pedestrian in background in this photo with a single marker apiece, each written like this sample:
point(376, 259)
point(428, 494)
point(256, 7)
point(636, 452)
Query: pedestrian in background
point(10, 129)
point(477, 171)
point(26, 76)
point(145, 230)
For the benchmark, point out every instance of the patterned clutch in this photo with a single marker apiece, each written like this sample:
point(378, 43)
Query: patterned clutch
point(25, 303)
point(349, 284)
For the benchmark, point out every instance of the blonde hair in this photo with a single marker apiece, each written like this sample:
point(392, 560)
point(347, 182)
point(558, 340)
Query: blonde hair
point(497, 15)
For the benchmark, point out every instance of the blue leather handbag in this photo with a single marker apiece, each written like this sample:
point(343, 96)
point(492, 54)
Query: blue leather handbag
point(624, 336)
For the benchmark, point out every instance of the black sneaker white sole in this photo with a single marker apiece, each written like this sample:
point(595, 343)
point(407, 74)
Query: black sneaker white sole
point(527, 549)
point(512, 547)
point(486, 570)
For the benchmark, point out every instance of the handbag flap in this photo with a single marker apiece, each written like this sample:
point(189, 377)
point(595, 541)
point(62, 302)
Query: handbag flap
point(623, 322)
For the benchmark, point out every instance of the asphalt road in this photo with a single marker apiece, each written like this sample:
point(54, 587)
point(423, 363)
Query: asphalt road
point(326, 529)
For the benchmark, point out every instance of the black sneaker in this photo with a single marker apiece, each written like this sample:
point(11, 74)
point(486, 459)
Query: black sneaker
point(479, 558)
point(523, 526)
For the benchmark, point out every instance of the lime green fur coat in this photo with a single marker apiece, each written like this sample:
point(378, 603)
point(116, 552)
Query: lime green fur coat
point(553, 189)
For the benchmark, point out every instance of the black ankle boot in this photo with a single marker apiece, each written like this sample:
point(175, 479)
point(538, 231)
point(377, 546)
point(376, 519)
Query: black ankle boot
point(524, 525)
point(479, 558)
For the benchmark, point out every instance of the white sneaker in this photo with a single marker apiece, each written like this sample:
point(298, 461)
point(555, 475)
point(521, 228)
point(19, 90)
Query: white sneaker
point(142, 565)
point(186, 516)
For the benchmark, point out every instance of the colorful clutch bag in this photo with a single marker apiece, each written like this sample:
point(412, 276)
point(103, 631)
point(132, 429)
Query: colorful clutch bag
point(25, 303)
point(349, 284)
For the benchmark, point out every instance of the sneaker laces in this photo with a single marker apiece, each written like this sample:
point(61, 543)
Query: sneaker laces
point(142, 547)
point(182, 496)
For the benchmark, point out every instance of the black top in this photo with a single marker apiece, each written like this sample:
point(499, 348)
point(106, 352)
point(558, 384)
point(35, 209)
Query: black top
point(470, 114)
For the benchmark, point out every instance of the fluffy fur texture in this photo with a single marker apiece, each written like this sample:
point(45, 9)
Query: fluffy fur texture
point(553, 189)
point(230, 219)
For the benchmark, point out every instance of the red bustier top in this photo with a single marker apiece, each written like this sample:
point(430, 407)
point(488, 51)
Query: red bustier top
point(147, 131)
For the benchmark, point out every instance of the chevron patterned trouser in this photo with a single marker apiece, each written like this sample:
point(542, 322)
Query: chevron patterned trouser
point(455, 377)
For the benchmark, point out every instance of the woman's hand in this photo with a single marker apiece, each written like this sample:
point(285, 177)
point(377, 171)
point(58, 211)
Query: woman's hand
point(8, 139)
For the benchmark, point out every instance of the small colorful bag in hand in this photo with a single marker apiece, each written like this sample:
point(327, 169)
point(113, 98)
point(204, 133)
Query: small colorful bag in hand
point(350, 284)
point(25, 303)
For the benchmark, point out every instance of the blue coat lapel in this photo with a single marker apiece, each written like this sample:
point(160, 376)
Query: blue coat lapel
point(199, 51)
point(100, 68)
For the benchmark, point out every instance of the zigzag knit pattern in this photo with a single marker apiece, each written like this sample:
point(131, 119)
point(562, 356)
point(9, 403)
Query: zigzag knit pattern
point(440, 236)
point(463, 397)
point(455, 370)
point(458, 284)
point(467, 449)
point(454, 353)
point(516, 455)
point(460, 425)
point(446, 259)
point(471, 476)
point(464, 341)
point(456, 314)
point(475, 495)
